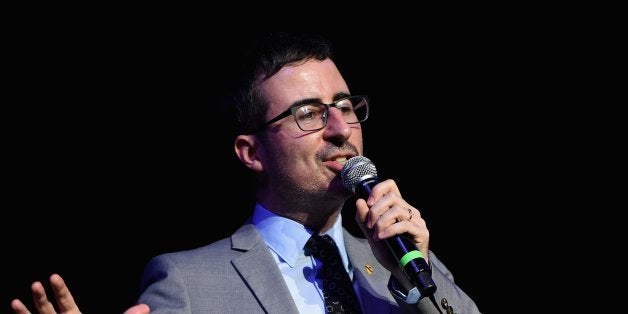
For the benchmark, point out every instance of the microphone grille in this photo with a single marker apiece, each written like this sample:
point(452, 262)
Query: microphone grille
point(356, 170)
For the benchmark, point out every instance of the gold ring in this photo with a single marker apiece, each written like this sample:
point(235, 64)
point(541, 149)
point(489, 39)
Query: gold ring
point(410, 212)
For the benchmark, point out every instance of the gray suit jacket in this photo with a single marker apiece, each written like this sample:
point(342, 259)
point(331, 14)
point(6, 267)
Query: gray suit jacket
point(239, 275)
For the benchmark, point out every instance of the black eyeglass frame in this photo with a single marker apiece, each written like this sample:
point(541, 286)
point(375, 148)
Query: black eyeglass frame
point(290, 112)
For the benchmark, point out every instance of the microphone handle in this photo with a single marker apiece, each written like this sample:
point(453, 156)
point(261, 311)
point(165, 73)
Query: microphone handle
point(405, 251)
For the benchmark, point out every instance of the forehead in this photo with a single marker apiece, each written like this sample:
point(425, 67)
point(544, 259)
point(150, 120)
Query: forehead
point(312, 79)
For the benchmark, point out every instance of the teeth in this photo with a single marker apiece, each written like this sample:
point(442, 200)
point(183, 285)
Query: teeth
point(341, 160)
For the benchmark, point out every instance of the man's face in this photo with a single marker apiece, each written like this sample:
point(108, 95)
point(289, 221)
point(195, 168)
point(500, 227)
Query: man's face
point(300, 161)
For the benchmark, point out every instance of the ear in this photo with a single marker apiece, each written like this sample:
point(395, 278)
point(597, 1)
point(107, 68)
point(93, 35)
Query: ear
point(246, 150)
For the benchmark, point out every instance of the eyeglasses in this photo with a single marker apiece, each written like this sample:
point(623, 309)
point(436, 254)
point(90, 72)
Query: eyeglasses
point(312, 116)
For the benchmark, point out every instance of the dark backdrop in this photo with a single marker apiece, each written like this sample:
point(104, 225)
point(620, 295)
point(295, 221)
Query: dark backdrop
point(115, 151)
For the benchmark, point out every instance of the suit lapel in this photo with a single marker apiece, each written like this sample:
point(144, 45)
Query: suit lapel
point(364, 262)
point(260, 272)
point(372, 277)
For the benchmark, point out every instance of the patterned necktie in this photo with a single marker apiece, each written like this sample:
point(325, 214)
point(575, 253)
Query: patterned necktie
point(337, 286)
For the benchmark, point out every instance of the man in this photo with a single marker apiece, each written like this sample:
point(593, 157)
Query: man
point(298, 124)
point(296, 146)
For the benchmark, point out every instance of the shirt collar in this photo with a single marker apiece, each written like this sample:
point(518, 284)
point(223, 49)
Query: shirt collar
point(287, 237)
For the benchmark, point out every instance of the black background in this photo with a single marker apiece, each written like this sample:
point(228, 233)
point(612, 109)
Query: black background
point(115, 152)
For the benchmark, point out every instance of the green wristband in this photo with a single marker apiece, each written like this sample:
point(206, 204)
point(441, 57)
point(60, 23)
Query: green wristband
point(409, 256)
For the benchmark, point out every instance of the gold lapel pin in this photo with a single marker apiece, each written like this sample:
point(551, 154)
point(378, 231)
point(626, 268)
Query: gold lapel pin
point(368, 268)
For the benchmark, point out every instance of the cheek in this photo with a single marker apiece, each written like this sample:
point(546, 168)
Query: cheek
point(356, 138)
point(286, 152)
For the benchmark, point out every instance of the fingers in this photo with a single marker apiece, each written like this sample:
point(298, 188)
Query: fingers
point(40, 299)
point(386, 214)
point(19, 307)
point(383, 188)
point(62, 294)
point(391, 208)
point(384, 196)
point(138, 309)
point(64, 300)
point(395, 220)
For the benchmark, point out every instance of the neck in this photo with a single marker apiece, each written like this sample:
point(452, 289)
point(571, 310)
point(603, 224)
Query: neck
point(318, 218)
point(317, 210)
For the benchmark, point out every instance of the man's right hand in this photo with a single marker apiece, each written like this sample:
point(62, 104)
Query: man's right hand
point(64, 299)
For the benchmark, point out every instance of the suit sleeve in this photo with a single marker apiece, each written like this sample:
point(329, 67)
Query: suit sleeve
point(446, 288)
point(163, 288)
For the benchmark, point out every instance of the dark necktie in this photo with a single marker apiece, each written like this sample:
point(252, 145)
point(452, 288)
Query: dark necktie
point(337, 286)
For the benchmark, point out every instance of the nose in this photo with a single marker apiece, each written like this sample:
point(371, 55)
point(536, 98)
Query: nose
point(337, 128)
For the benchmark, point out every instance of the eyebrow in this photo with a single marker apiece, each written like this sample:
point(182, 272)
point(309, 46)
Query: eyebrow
point(301, 102)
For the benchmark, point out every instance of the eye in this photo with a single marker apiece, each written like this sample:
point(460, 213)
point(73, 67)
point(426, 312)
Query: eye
point(308, 113)
point(345, 106)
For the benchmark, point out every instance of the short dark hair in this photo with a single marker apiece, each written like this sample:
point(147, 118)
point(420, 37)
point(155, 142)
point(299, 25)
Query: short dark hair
point(268, 54)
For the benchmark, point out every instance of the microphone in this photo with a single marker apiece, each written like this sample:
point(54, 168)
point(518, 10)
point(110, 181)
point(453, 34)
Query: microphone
point(360, 176)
